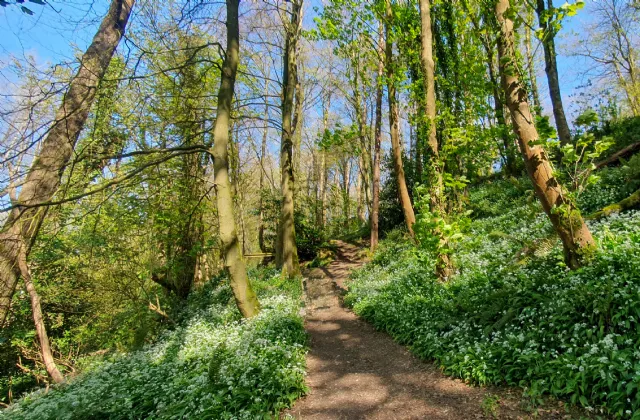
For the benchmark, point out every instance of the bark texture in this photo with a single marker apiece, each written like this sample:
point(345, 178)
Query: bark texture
point(244, 295)
point(286, 248)
point(531, 61)
point(566, 218)
point(321, 194)
point(375, 201)
point(263, 153)
point(43, 179)
point(436, 190)
point(38, 320)
point(551, 68)
point(403, 192)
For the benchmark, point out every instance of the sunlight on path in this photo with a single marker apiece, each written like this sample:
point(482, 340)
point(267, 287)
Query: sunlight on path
point(356, 372)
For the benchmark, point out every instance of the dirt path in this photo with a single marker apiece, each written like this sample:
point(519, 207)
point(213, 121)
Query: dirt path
point(356, 372)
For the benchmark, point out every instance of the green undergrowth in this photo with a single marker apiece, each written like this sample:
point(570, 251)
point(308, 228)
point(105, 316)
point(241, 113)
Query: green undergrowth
point(611, 185)
point(212, 365)
point(514, 314)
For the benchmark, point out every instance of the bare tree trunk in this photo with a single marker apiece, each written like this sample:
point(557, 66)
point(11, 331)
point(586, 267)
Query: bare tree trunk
point(43, 179)
point(551, 68)
point(263, 152)
point(375, 205)
point(322, 167)
point(403, 192)
point(38, 319)
point(298, 123)
point(237, 188)
point(346, 183)
point(531, 61)
point(499, 110)
point(565, 217)
point(286, 249)
point(244, 295)
point(438, 207)
point(428, 68)
point(323, 190)
point(360, 187)
point(321, 195)
point(365, 150)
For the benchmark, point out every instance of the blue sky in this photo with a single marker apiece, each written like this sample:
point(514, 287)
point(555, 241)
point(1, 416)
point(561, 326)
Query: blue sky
point(51, 33)
point(55, 31)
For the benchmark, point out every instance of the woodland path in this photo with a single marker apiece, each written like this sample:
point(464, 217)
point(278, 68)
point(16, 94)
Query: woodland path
point(356, 372)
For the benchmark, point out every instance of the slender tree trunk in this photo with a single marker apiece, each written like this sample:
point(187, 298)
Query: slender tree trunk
point(531, 61)
point(244, 295)
point(298, 122)
point(438, 206)
point(287, 250)
point(403, 192)
point(361, 186)
point(565, 217)
point(38, 319)
point(325, 177)
point(551, 68)
point(43, 179)
point(365, 151)
point(428, 69)
point(263, 152)
point(322, 167)
point(237, 187)
point(375, 205)
point(346, 182)
point(499, 110)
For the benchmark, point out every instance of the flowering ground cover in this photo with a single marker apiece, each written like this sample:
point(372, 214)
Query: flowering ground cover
point(212, 365)
point(514, 314)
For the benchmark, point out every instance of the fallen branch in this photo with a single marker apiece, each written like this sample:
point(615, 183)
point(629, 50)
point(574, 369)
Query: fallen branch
point(628, 203)
point(629, 150)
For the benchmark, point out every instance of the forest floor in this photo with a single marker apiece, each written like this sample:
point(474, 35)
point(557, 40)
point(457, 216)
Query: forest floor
point(356, 372)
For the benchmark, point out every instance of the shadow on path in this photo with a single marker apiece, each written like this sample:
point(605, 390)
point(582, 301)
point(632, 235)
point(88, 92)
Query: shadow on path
point(356, 372)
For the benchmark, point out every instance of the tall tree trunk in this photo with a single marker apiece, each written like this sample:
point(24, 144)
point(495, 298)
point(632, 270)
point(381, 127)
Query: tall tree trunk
point(360, 190)
point(43, 179)
point(263, 152)
point(287, 250)
point(499, 110)
point(531, 61)
point(566, 219)
point(551, 68)
point(244, 295)
point(346, 183)
point(365, 149)
point(428, 69)
point(403, 192)
point(438, 207)
point(237, 187)
point(375, 205)
point(298, 123)
point(322, 167)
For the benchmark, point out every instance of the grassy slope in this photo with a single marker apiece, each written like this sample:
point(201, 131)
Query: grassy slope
point(514, 314)
point(212, 365)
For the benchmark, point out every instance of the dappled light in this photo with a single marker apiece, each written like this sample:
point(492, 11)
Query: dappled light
point(319, 209)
